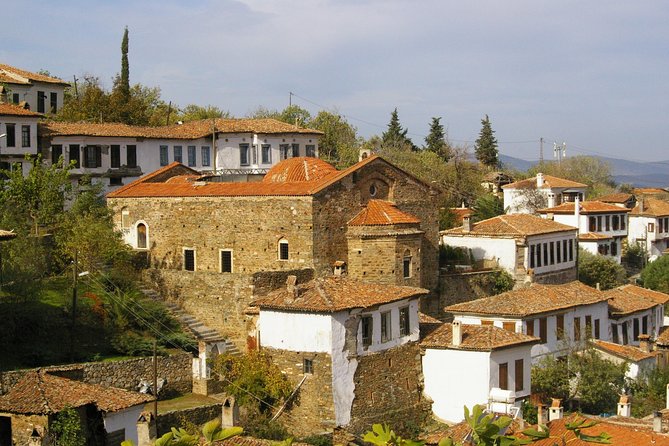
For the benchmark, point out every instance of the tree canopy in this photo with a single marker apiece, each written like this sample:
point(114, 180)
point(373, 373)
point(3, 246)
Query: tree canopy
point(486, 145)
point(436, 142)
point(595, 269)
point(396, 136)
point(656, 275)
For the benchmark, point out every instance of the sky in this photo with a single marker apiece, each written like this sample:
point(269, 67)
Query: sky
point(593, 74)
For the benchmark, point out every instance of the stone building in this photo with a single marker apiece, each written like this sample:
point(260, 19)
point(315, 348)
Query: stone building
point(351, 350)
point(211, 245)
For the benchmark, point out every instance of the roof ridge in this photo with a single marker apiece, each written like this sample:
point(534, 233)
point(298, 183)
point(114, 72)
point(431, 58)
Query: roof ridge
point(40, 387)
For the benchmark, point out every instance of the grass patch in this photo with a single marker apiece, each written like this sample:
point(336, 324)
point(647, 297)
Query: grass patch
point(187, 401)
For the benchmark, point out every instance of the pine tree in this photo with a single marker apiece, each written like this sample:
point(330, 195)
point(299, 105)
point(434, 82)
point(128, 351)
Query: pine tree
point(124, 85)
point(396, 136)
point(486, 145)
point(436, 141)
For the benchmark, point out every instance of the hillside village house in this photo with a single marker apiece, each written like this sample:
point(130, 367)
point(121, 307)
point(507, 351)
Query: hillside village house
point(649, 226)
point(526, 196)
point(635, 311)
point(41, 93)
point(601, 226)
point(559, 315)
point(640, 360)
point(621, 199)
point(371, 221)
point(116, 154)
point(464, 365)
point(530, 248)
point(352, 350)
point(19, 129)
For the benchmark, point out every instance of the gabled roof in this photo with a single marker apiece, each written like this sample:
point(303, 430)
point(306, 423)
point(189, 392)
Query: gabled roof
point(300, 169)
point(626, 352)
point(15, 75)
point(461, 213)
point(549, 182)
point(617, 197)
point(379, 213)
point(586, 207)
point(514, 225)
point(39, 392)
point(333, 294)
point(651, 207)
point(630, 299)
point(533, 300)
point(476, 337)
point(657, 296)
point(14, 110)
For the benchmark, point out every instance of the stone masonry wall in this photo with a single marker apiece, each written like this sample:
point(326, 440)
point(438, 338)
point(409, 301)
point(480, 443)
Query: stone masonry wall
point(313, 410)
point(196, 415)
point(22, 426)
point(389, 389)
point(125, 374)
point(463, 287)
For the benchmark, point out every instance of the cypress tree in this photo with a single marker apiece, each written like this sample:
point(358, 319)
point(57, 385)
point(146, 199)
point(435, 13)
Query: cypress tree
point(124, 85)
point(436, 140)
point(396, 136)
point(486, 145)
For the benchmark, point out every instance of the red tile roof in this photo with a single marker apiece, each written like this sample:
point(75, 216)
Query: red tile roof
point(626, 352)
point(533, 300)
point(39, 392)
point(549, 182)
point(593, 236)
point(587, 207)
point(657, 296)
point(380, 212)
point(513, 225)
point(333, 294)
point(622, 303)
point(652, 207)
point(476, 338)
point(8, 71)
point(649, 191)
point(663, 337)
point(617, 197)
point(300, 169)
point(461, 213)
point(14, 110)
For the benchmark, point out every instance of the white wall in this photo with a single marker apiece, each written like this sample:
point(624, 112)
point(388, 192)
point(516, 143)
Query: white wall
point(547, 239)
point(28, 93)
point(395, 338)
point(343, 369)
point(509, 356)
point(124, 419)
point(300, 332)
point(655, 322)
point(487, 248)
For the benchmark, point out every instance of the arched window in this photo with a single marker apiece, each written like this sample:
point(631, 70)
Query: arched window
point(142, 240)
point(283, 249)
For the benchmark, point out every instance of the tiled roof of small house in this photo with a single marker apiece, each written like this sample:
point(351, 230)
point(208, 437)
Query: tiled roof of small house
point(39, 392)
point(333, 294)
point(381, 212)
point(663, 337)
point(617, 197)
point(627, 352)
point(15, 110)
point(461, 213)
point(586, 207)
point(535, 299)
point(300, 169)
point(514, 225)
point(652, 207)
point(649, 191)
point(476, 337)
point(593, 237)
point(622, 303)
point(16, 76)
point(657, 296)
point(549, 182)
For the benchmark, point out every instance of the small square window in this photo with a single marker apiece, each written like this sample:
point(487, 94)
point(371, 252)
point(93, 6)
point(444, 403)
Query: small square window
point(116, 181)
point(307, 366)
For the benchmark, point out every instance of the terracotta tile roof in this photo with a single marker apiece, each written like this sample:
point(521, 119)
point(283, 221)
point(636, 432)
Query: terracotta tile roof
point(39, 392)
point(622, 303)
point(380, 212)
point(188, 130)
point(533, 300)
point(627, 352)
point(250, 441)
point(657, 296)
point(14, 110)
point(618, 197)
point(8, 71)
point(461, 213)
point(593, 236)
point(333, 294)
point(514, 225)
point(652, 207)
point(549, 182)
point(427, 319)
point(663, 337)
point(587, 207)
point(476, 337)
point(458, 433)
point(649, 191)
point(300, 169)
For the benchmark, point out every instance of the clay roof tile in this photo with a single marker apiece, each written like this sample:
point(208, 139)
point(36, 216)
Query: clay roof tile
point(380, 212)
point(476, 337)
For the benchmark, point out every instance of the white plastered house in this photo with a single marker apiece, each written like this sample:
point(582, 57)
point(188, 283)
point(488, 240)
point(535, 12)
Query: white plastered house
point(635, 311)
point(42, 93)
point(641, 360)
point(649, 226)
point(526, 196)
point(19, 127)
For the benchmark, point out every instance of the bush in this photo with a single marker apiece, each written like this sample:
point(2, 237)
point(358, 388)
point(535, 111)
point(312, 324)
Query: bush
point(634, 256)
point(453, 255)
point(656, 275)
point(594, 269)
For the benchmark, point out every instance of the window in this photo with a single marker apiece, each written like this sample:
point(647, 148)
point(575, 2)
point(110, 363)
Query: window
point(596, 328)
point(614, 332)
point(192, 161)
point(307, 366)
point(296, 150)
point(92, 156)
point(614, 248)
point(559, 322)
point(615, 222)
point(571, 250)
point(599, 223)
point(310, 150)
point(16, 98)
point(141, 236)
point(592, 227)
point(519, 369)
point(543, 330)
point(283, 151)
point(178, 155)
point(588, 327)
point(164, 157)
point(651, 227)
point(660, 225)
point(25, 136)
point(625, 334)
point(131, 155)
point(283, 249)
point(531, 256)
point(41, 96)
point(244, 155)
point(558, 254)
point(577, 329)
point(367, 326)
point(386, 332)
point(552, 253)
point(622, 222)
point(488, 322)
point(539, 255)
point(206, 156)
point(635, 327)
point(529, 327)
point(564, 250)
point(545, 254)
point(644, 325)
point(504, 376)
point(10, 129)
point(405, 323)
point(125, 218)
point(226, 261)
point(56, 153)
point(53, 102)
point(115, 181)
point(189, 259)
point(406, 266)
point(74, 154)
point(608, 222)
point(509, 326)
point(115, 156)
point(266, 154)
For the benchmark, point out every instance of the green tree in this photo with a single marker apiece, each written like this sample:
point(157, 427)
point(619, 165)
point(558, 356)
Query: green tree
point(488, 206)
point(339, 144)
point(436, 140)
point(590, 170)
point(296, 115)
point(124, 82)
point(194, 112)
point(88, 102)
point(595, 269)
point(486, 145)
point(66, 430)
point(656, 275)
point(396, 136)
point(649, 391)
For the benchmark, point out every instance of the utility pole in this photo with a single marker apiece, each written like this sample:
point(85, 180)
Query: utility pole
point(155, 379)
point(75, 276)
point(290, 99)
point(559, 152)
point(213, 143)
point(541, 150)
point(169, 111)
point(76, 92)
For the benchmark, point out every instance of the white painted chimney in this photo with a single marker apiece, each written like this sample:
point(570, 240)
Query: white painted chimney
point(540, 179)
point(577, 212)
point(551, 200)
point(466, 224)
point(624, 406)
point(556, 411)
point(457, 333)
point(657, 421)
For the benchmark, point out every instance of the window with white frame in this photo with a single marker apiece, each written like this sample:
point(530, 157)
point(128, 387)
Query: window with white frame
point(283, 249)
point(366, 329)
point(192, 156)
point(386, 329)
point(206, 156)
point(189, 259)
point(244, 159)
point(266, 154)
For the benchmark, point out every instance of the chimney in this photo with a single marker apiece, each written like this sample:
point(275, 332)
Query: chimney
point(624, 406)
point(364, 154)
point(644, 343)
point(291, 285)
point(556, 411)
point(667, 405)
point(457, 333)
point(230, 413)
point(551, 200)
point(577, 212)
point(642, 204)
point(541, 416)
point(467, 223)
point(657, 422)
point(598, 287)
point(146, 429)
point(540, 180)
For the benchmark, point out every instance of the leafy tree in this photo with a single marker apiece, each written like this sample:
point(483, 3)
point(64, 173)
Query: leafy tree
point(590, 170)
point(339, 144)
point(296, 115)
point(261, 112)
point(550, 378)
point(634, 256)
point(649, 391)
point(594, 269)
point(89, 102)
point(66, 429)
point(487, 206)
point(656, 275)
point(193, 112)
point(486, 145)
point(530, 199)
point(396, 136)
point(436, 140)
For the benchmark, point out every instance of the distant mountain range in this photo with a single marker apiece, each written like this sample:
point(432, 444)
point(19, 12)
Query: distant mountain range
point(648, 174)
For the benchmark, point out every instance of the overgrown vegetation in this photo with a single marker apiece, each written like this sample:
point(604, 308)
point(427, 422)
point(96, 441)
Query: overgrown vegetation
point(656, 275)
point(66, 430)
point(649, 392)
point(595, 269)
